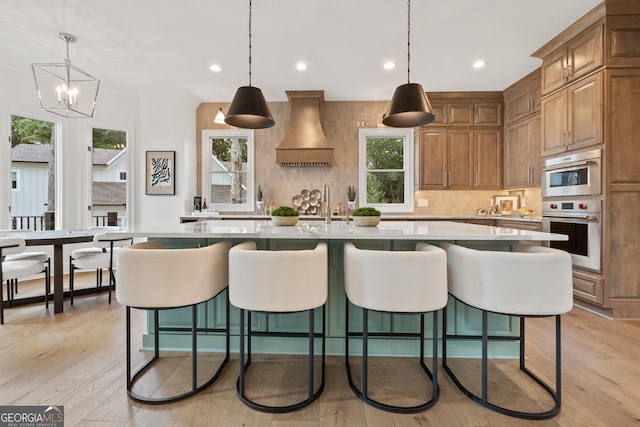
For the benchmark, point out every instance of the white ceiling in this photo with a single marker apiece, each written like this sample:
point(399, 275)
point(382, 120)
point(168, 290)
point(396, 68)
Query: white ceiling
point(151, 46)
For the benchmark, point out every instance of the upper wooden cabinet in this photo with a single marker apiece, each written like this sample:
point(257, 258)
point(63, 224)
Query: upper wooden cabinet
point(452, 114)
point(487, 114)
point(573, 117)
point(575, 59)
point(522, 99)
point(522, 154)
point(460, 159)
point(466, 109)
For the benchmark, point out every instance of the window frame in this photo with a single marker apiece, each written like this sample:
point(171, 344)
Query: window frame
point(207, 136)
point(407, 135)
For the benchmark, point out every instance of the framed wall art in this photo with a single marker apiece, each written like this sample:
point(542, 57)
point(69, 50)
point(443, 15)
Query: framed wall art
point(507, 203)
point(161, 173)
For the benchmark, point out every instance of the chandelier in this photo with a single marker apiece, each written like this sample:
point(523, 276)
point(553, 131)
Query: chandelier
point(65, 89)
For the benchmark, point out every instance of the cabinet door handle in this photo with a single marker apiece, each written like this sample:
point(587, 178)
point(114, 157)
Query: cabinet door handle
point(569, 138)
point(475, 180)
point(444, 178)
point(450, 181)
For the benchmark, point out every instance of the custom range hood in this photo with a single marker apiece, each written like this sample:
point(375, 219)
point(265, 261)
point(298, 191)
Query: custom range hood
point(304, 143)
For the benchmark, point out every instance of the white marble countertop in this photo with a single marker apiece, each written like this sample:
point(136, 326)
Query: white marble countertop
point(391, 217)
point(386, 230)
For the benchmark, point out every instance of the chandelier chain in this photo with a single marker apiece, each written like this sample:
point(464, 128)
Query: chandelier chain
point(408, 40)
point(250, 4)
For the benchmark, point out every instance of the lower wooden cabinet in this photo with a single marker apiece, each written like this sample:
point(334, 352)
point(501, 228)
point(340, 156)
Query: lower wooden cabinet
point(588, 286)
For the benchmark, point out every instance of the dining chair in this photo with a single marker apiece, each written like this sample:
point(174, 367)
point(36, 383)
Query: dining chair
point(19, 268)
point(99, 257)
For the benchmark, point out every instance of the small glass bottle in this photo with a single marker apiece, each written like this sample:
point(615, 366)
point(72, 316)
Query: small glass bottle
point(204, 204)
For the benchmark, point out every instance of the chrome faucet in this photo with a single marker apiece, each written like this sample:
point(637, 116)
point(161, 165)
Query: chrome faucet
point(327, 204)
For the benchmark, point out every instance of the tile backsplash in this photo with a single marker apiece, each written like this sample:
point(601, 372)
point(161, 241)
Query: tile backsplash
point(341, 121)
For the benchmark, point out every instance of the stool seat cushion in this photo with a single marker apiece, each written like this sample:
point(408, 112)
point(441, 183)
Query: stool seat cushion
point(531, 280)
point(396, 281)
point(277, 281)
point(149, 276)
point(19, 269)
point(96, 261)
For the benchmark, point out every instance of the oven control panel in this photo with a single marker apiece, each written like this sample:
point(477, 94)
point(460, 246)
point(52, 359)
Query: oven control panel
point(571, 206)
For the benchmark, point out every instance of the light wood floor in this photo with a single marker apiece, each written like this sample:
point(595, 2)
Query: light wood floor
point(77, 359)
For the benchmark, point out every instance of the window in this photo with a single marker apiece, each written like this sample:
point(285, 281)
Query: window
point(33, 173)
point(108, 176)
point(227, 169)
point(385, 169)
point(15, 180)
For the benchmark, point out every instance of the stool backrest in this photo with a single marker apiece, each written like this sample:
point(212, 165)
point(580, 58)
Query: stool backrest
point(150, 276)
point(396, 281)
point(277, 281)
point(531, 280)
point(102, 241)
point(12, 245)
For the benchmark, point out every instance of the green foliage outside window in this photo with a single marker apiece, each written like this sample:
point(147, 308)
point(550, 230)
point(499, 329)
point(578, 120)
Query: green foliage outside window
point(385, 170)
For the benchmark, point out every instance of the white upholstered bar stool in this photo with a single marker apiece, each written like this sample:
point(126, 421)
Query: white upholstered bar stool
point(18, 268)
point(278, 282)
point(100, 257)
point(401, 282)
point(531, 281)
point(153, 278)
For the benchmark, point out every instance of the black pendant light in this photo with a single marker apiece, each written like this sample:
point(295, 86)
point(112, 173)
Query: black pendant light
point(409, 105)
point(249, 109)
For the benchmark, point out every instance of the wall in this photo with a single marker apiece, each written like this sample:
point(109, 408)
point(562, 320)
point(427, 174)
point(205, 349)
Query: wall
point(341, 121)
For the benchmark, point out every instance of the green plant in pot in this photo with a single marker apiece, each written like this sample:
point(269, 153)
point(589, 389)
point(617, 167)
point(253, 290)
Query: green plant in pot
point(284, 215)
point(366, 216)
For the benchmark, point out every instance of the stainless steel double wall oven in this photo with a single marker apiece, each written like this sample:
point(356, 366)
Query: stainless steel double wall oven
point(572, 205)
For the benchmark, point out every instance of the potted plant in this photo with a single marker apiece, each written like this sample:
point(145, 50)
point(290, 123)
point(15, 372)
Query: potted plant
point(284, 215)
point(366, 216)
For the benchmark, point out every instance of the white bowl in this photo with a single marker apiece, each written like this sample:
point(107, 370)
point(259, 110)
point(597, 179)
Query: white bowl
point(284, 220)
point(366, 221)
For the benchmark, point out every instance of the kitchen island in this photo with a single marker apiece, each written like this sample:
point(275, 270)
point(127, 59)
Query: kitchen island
point(388, 235)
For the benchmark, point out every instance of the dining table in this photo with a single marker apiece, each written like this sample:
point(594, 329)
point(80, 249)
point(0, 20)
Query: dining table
point(55, 238)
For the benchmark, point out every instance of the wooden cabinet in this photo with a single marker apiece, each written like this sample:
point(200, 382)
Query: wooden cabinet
point(466, 109)
point(487, 114)
point(588, 286)
point(466, 114)
point(487, 159)
point(446, 159)
point(522, 153)
point(575, 59)
point(572, 118)
point(522, 99)
point(519, 225)
point(452, 114)
point(460, 159)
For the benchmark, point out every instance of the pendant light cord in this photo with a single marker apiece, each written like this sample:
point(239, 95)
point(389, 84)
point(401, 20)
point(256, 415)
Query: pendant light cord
point(250, 2)
point(408, 40)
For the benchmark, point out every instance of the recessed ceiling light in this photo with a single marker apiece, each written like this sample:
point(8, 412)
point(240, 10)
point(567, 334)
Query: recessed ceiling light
point(479, 64)
point(301, 66)
point(389, 65)
point(215, 68)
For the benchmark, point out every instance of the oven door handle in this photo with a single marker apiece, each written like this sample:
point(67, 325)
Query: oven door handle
point(590, 218)
point(569, 165)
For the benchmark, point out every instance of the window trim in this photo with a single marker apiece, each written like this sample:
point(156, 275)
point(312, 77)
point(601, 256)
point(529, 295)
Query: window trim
point(207, 135)
point(407, 135)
